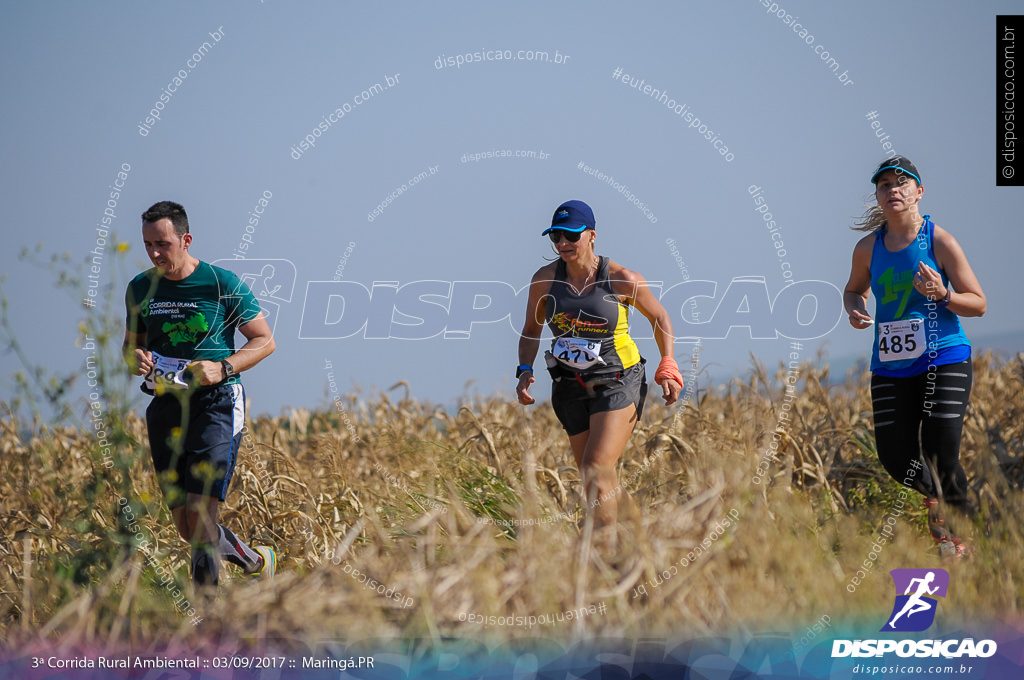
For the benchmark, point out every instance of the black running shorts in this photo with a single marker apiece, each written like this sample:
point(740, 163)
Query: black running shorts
point(201, 458)
point(574, 403)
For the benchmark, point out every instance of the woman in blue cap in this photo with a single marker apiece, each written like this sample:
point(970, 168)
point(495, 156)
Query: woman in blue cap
point(599, 380)
point(921, 359)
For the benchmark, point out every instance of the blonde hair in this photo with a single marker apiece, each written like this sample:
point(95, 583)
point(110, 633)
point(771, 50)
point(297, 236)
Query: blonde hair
point(872, 220)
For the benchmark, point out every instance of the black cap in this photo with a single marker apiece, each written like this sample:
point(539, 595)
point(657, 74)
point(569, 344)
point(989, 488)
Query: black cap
point(901, 165)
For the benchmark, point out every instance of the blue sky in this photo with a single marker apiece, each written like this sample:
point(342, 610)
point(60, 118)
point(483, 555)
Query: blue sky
point(78, 83)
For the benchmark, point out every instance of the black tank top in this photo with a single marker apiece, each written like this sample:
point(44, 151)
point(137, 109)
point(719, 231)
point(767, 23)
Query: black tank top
point(591, 331)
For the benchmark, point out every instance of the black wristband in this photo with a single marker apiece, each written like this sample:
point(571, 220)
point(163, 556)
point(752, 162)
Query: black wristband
point(523, 368)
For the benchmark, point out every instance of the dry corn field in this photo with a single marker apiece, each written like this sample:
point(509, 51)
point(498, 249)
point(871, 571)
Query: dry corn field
point(477, 513)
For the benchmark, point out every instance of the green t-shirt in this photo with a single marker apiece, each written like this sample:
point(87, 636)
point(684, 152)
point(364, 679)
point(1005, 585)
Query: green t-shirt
point(193, 319)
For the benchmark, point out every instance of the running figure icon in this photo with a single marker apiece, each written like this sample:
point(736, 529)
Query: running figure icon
point(915, 603)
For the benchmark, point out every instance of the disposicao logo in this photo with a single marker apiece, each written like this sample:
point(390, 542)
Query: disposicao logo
point(914, 611)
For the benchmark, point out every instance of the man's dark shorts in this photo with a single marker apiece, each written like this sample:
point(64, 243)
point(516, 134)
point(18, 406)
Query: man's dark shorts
point(574, 403)
point(203, 459)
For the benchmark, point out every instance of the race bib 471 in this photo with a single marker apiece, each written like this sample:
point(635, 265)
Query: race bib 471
point(578, 353)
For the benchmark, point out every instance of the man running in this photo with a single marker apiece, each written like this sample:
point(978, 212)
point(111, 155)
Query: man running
point(181, 320)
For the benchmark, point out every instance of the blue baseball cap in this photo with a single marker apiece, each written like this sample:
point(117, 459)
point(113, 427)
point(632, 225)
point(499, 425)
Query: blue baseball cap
point(572, 216)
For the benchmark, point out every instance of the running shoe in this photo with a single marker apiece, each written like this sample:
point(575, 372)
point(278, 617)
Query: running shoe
point(948, 550)
point(950, 547)
point(269, 567)
point(936, 523)
point(964, 550)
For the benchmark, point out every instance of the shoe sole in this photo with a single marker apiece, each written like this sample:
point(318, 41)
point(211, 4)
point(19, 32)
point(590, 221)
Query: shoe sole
point(269, 569)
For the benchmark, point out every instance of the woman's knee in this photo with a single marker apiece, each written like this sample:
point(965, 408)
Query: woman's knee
point(599, 472)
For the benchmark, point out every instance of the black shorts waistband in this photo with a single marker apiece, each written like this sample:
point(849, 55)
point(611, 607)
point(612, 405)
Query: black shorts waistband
point(587, 379)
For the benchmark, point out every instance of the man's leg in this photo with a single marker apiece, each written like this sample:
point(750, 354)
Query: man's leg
point(213, 432)
point(182, 524)
point(201, 516)
point(222, 419)
point(230, 547)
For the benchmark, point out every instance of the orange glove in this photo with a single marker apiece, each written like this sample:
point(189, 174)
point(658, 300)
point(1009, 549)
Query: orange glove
point(668, 369)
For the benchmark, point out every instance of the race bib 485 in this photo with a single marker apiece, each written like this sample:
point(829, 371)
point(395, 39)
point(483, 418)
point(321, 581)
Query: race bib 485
point(901, 339)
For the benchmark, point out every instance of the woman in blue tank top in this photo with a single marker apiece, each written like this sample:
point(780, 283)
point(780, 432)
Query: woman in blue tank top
point(921, 359)
point(599, 379)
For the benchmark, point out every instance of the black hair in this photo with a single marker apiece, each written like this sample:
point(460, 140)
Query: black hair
point(172, 211)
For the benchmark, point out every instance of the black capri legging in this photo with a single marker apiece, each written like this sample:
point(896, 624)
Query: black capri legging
point(921, 417)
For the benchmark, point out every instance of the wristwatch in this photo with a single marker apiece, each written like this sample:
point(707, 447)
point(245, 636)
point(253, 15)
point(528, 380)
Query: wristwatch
point(229, 370)
point(523, 368)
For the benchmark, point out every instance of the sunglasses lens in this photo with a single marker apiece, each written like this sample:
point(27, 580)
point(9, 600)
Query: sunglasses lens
point(570, 236)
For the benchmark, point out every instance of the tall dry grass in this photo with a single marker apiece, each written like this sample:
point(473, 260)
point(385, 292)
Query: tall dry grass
point(478, 512)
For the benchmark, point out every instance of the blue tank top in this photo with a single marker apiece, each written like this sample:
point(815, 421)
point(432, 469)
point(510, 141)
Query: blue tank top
point(896, 299)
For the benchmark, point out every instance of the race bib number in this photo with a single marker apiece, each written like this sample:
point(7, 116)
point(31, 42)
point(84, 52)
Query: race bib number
point(901, 339)
point(577, 353)
point(167, 373)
